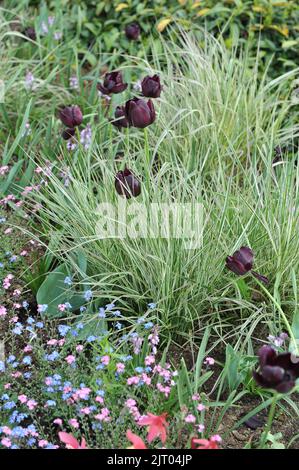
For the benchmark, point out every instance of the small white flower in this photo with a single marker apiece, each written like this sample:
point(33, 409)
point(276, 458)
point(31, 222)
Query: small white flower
point(86, 137)
point(27, 130)
point(29, 81)
point(57, 35)
point(74, 82)
point(44, 28)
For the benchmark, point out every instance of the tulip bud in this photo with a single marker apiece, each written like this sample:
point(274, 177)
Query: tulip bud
point(71, 116)
point(151, 86)
point(68, 133)
point(30, 33)
point(140, 113)
point(133, 31)
point(120, 118)
point(126, 184)
point(113, 83)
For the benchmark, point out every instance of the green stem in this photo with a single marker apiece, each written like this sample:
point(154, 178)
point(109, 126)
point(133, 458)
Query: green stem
point(283, 315)
point(107, 107)
point(147, 155)
point(269, 421)
point(75, 158)
point(127, 144)
point(5, 116)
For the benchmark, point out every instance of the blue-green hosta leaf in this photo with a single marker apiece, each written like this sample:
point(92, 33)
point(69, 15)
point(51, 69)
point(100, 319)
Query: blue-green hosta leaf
point(54, 291)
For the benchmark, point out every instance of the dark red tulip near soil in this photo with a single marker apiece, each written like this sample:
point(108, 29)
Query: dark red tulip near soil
point(276, 371)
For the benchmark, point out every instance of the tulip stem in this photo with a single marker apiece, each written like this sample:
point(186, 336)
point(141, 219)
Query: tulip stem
point(77, 137)
point(147, 154)
point(270, 420)
point(107, 106)
point(283, 315)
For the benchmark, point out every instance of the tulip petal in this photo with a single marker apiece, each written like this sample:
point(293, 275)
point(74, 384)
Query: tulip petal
point(235, 266)
point(267, 355)
point(69, 440)
point(260, 380)
point(199, 443)
point(157, 426)
point(136, 440)
point(120, 87)
point(102, 89)
point(244, 256)
point(273, 374)
point(284, 360)
point(285, 387)
point(152, 110)
point(83, 443)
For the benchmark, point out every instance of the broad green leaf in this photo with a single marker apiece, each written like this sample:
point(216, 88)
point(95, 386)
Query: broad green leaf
point(53, 292)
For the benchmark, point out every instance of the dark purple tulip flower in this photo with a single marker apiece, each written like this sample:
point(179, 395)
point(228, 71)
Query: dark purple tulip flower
point(71, 116)
point(126, 184)
point(151, 86)
point(133, 31)
point(68, 134)
point(30, 33)
point(120, 117)
point(276, 371)
point(241, 262)
point(113, 83)
point(140, 113)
